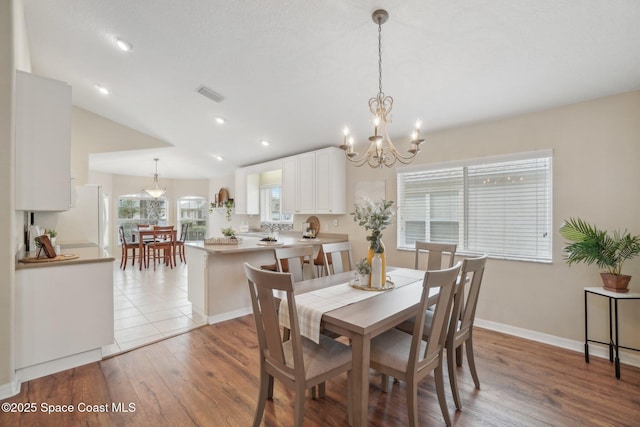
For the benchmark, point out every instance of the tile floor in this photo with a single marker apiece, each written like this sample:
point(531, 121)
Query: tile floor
point(149, 306)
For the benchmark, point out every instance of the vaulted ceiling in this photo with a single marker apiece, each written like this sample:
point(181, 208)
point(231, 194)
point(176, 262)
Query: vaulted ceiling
point(296, 72)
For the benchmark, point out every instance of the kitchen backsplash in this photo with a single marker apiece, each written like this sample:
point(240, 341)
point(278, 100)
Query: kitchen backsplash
point(273, 226)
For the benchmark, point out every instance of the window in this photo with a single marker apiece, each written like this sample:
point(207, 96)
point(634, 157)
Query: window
point(501, 206)
point(134, 209)
point(193, 210)
point(271, 207)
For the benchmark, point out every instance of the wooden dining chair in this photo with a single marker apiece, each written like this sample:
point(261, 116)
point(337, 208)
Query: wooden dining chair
point(298, 363)
point(128, 249)
point(461, 326)
point(460, 329)
point(409, 358)
point(435, 252)
point(335, 255)
point(163, 243)
point(293, 260)
point(184, 230)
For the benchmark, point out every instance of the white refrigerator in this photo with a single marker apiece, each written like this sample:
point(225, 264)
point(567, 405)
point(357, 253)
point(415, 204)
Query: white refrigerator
point(87, 221)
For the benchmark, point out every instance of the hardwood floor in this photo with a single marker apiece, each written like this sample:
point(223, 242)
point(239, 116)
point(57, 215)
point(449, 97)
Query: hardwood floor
point(208, 377)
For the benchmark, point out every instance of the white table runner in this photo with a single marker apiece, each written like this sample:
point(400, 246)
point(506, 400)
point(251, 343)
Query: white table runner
point(312, 305)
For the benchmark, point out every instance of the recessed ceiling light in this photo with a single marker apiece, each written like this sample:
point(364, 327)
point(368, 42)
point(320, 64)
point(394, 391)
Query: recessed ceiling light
point(219, 158)
point(103, 90)
point(220, 120)
point(124, 45)
point(264, 142)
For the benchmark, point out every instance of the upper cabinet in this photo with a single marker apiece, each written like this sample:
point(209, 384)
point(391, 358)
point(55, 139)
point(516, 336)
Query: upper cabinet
point(298, 183)
point(43, 143)
point(331, 181)
point(315, 182)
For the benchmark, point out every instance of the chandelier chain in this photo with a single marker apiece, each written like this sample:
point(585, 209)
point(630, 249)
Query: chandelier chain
point(379, 56)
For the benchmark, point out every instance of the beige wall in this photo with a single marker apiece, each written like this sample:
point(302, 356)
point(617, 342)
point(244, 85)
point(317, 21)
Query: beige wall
point(596, 148)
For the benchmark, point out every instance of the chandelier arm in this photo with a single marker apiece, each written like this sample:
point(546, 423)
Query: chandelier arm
point(365, 157)
point(395, 151)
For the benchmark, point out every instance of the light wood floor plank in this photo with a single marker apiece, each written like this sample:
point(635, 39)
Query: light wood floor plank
point(209, 377)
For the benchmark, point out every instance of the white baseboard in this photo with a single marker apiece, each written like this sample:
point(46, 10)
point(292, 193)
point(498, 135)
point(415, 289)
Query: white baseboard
point(62, 364)
point(222, 317)
point(596, 350)
point(9, 389)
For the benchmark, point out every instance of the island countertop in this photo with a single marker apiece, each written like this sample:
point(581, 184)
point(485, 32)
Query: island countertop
point(253, 244)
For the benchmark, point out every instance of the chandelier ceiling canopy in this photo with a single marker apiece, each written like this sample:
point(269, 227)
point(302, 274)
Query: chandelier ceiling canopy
point(382, 151)
point(155, 191)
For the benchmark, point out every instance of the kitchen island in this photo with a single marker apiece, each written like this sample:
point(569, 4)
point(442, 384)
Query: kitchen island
point(64, 311)
point(217, 285)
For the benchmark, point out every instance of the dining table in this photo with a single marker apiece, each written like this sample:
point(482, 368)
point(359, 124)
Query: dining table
point(365, 319)
point(141, 233)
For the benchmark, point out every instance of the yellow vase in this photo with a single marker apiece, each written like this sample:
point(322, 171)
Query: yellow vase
point(370, 254)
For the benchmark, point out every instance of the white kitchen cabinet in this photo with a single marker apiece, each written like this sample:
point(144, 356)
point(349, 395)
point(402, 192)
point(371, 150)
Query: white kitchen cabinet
point(240, 196)
point(298, 183)
point(43, 143)
point(315, 182)
point(247, 196)
point(62, 312)
point(331, 181)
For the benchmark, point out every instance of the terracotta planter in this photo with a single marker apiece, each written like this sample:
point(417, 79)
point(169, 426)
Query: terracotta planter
point(615, 282)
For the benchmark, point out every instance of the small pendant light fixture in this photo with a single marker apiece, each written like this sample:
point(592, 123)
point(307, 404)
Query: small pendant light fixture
point(155, 191)
point(381, 152)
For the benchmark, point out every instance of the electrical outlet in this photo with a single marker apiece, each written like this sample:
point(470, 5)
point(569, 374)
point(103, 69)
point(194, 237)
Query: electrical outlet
point(335, 222)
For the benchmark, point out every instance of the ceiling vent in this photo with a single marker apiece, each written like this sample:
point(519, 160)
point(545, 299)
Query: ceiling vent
point(212, 95)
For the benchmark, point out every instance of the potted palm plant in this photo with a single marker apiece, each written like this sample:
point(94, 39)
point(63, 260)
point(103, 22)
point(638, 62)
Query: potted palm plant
point(591, 245)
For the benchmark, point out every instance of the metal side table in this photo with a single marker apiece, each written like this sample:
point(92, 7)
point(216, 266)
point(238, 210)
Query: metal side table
point(614, 342)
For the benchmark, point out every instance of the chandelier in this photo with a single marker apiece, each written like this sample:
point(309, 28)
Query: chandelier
point(382, 151)
point(155, 191)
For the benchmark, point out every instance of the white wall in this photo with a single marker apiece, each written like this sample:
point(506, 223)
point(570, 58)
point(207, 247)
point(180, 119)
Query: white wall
point(91, 133)
point(14, 51)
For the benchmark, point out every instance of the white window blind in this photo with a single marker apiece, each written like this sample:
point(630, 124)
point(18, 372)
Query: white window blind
point(501, 206)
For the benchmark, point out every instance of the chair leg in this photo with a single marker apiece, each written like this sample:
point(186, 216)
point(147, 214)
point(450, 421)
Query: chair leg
point(123, 258)
point(453, 378)
point(270, 392)
point(298, 419)
point(349, 398)
point(384, 379)
point(321, 390)
point(459, 356)
point(437, 373)
point(133, 260)
point(412, 402)
point(472, 362)
point(265, 381)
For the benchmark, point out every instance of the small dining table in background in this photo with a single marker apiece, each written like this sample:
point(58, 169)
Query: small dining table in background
point(141, 233)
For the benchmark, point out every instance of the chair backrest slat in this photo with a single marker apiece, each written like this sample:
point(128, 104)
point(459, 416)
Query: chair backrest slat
point(295, 258)
point(435, 252)
point(471, 277)
point(337, 257)
point(262, 283)
point(445, 280)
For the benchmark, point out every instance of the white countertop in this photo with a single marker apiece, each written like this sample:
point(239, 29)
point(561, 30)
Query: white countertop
point(85, 255)
point(250, 244)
